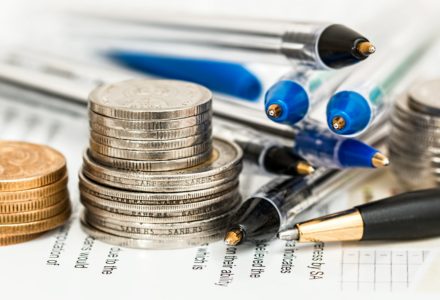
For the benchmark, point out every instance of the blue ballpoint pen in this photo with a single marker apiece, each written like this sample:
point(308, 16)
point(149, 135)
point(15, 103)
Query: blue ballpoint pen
point(322, 148)
point(290, 99)
point(220, 76)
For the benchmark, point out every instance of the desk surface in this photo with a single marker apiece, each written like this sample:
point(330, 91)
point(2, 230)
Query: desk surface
point(69, 264)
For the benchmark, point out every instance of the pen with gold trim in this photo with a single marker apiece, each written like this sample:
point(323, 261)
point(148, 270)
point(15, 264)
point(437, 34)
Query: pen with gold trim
point(406, 216)
point(275, 158)
point(264, 214)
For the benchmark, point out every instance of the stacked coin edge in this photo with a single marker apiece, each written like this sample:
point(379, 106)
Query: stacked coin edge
point(131, 202)
point(33, 202)
point(414, 143)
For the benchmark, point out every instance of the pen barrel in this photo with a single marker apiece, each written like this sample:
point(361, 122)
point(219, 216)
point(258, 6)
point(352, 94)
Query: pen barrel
point(407, 216)
point(299, 43)
point(315, 44)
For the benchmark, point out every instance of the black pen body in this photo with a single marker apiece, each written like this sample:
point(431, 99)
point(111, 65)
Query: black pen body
point(275, 159)
point(407, 216)
point(261, 216)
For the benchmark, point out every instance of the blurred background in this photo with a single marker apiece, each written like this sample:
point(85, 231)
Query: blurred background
point(50, 26)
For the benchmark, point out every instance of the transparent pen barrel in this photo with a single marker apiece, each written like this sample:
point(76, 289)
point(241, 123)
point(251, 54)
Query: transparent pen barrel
point(377, 77)
point(216, 38)
point(317, 84)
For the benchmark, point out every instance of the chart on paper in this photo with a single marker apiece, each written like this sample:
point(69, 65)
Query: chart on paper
point(379, 270)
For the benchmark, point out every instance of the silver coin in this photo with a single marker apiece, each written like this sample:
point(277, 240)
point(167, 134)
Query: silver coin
point(398, 150)
point(409, 169)
point(202, 225)
point(145, 99)
point(400, 165)
point(143, 135)
point(408, 130)
point(416, 123)
point(143, 198)
point(150, 145)
point(147, 233)
point(139, 125)
point(149, 244)
point(410, 116)
point(155, 155)
point(147, 185)
point(425, 97)
point(172, 217)
point(225, 156)
point(407, 164)
point(134, 209)
point(196, 232)
point(421, 138)
point(416, 143)
point(150, 165)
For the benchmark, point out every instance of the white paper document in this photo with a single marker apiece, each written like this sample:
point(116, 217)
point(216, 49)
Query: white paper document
point(68, 264)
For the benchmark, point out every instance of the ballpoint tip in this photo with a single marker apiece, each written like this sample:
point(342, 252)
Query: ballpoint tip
point(304, 168)
point(338, 123)
point(274, 111)
point(379, 160)
point(233, 237)
point(366, 48)
point(288, 235)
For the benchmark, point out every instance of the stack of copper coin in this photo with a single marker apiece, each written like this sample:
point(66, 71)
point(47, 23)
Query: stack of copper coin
point(153, 176)
point(33, 191)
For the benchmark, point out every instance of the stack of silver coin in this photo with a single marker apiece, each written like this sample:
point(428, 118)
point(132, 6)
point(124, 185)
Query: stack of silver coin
point(414, 143)
point(153, 176)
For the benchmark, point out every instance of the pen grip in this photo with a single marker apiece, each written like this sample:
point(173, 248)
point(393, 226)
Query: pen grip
point(407, 216)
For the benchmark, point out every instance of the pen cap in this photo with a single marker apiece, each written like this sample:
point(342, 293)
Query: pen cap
point(337, 46)
point(258, 218)
point(405, 216)
point(291, 97)
point(356, 154)
point(353, 108)
point(281, 160)
point(224, 77)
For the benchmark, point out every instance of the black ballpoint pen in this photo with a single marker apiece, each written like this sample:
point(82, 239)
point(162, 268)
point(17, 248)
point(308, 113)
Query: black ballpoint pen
point(262, 215)
point(402, 217)
point(275, 158)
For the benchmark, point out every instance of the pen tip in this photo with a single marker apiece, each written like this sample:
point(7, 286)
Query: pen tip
point(338, 123)
point(288, 235)
point(233, 237)
point(379, 160)
point(304, 168)
point(274, 111)
point(366, 48)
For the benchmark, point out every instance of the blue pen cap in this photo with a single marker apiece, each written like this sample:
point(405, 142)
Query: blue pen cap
point(356, 154)
point(353, 108)
point(291, 97)
point(224, 77)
